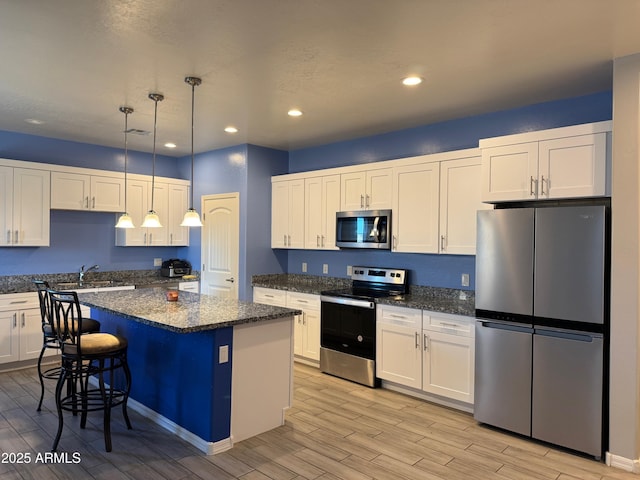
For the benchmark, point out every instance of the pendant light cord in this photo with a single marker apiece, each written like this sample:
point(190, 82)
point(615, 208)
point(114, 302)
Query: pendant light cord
point(126, 128)
point(193, 94)
point(156, 97)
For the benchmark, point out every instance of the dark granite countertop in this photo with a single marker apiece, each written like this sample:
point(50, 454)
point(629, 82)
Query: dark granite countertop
point(191, 313)
point(94, 279)
point(435, 299)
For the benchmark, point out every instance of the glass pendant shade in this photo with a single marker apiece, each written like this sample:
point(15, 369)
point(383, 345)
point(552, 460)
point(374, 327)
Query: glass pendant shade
point(191, 219)
point(151, 220)
point(191, 216)
point(125, 221)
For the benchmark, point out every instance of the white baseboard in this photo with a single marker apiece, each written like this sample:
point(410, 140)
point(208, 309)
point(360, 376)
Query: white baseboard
point(209, 448)
point(622, 463)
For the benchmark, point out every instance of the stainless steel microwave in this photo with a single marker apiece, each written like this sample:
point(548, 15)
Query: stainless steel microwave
point(364, 229)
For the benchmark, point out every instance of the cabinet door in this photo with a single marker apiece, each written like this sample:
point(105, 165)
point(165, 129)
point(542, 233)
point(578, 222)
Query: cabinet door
point(378, 189)
point(158, 237)
point(178, 205)
point(398, 354)
point(107, 194)
point(330, 205)
point(30, 324)
point(31, 207)
point(352, 191)
point(137, 193)
point(295, 236)
point(573, 166)
point(279, 214)
point(9, 335)
point(510, 172)
point(311, 338)
point(448, 365)
point(313, 212)
point(298, 334)
point(459, 202)
point(6, 206)
point(70, 191)
point(415, 208)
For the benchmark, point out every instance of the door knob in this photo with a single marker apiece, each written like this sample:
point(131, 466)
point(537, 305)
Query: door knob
point(230, 280)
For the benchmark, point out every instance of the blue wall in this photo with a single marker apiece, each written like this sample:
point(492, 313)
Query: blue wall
point(247, 169)
point(434, 270)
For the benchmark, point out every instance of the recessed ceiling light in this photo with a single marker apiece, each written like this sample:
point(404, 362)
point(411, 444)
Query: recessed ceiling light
point(170, 145)
point(294, 112)
point(412, 80)
point(34, 121)
point(231, 129)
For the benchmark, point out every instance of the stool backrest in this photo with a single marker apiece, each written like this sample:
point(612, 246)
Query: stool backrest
point(45, 303)
point(67, 320)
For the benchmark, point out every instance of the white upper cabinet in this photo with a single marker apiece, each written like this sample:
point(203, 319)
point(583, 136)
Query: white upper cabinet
point(566, 162)
point(322, 201)
point(414, 221)
point(170, 201)
point(366, 190)
point(25, 207)
point(287, 214)
point(459, 202)
point(75, 191)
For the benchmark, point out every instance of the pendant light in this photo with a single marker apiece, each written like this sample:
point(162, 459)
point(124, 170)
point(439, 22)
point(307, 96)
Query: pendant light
point(151, 219)
point(125, 220)
point(191, 217)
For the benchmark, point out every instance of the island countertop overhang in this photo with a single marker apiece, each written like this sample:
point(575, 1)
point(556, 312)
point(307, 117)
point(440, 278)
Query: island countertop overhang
point(192, 312)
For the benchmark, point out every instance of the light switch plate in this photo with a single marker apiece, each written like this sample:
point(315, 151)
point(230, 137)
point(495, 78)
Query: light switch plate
point(325, 268)
point(304, 267)
point(223, 354)
point(157, 262)
point(465, 279)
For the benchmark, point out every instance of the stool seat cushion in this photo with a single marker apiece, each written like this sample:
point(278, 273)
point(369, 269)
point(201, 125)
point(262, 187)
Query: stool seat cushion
point(97, 344)
point(89, 325)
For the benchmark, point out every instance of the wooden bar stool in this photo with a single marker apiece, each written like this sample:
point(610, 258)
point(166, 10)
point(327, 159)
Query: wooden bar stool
point(49, 339)
point(102, 355)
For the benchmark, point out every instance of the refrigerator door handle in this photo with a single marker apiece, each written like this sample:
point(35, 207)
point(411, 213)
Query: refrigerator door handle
point(515, 327)
point(567, 334)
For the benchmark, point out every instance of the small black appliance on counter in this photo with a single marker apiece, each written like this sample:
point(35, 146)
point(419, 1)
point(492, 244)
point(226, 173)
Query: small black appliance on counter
point(175, 268)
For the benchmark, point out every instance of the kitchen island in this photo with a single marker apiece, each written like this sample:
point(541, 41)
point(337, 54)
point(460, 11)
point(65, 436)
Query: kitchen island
point(214, 371)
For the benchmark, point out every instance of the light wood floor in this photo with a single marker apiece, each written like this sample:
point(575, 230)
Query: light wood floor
point(335, 430)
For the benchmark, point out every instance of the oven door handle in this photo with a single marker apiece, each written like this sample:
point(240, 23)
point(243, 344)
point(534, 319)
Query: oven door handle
point(348, 301)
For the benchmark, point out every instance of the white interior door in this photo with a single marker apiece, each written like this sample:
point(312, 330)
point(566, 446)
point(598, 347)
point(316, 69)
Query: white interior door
point(220, 245)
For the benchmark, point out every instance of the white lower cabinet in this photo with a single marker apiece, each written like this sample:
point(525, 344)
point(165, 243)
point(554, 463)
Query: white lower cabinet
point(428, 351)
point(20, 327)
point(306, 329)
point(189, 287)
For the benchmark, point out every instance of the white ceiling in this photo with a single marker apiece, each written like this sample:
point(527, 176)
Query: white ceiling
point(73, 63)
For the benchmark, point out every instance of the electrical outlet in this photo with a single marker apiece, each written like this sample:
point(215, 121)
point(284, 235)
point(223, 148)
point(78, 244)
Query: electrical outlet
point(349, 270)
point(325, 268)
point(304, 267)
point(157, 262)
point(465, 279)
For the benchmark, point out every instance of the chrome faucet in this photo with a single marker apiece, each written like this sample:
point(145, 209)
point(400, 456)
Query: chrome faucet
point(83, 271)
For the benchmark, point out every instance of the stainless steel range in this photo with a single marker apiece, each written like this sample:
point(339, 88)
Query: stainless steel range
point(348, 323)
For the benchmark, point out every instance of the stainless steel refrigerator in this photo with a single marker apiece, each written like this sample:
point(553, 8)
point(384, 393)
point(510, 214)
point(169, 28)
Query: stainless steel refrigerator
point(542, 322)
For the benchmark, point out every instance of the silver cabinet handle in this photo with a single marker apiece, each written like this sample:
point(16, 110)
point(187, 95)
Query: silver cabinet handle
point(171, 239)
point(93, 201)
point(417, 340)
point(366, 203)
point(426, 342)
point(23, 322)
point(18, 301)
point(322, 240)
point(16, 238)
point(533, 187)
point(361, 201)
point(231, 280)
point(317, 240)
point(144, 240)
point(150, 238)
point(442, 243)
point(15, 320)
point(86, 202)
point(289, 240)
point(542, 180)
point(394, 242)
point(8, 236)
